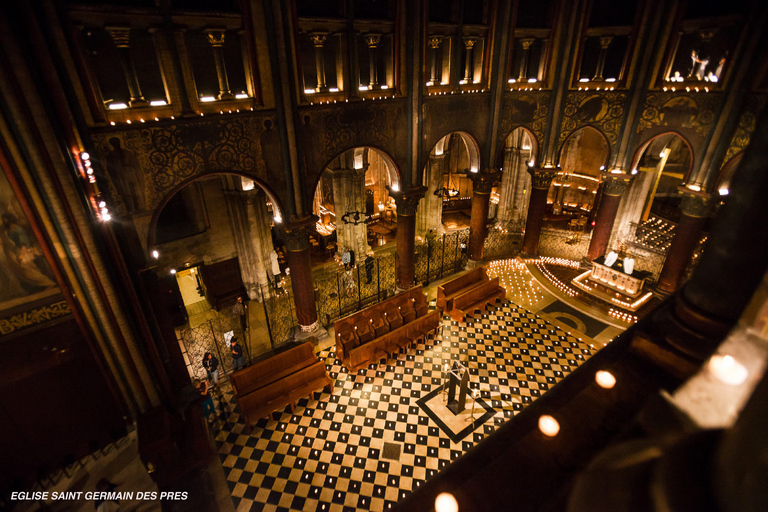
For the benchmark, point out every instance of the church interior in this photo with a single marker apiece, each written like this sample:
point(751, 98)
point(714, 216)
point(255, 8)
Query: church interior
point(340, 255)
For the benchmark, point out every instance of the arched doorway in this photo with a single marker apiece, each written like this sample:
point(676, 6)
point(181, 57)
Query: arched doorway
point(572, 194)
point(448, 201)
point(353, 203)
point(520, 150)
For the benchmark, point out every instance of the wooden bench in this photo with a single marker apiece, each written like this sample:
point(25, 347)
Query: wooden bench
point(280, 380)
point(476, 298)
point(447, 292)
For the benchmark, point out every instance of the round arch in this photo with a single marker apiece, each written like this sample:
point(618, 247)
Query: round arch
point(151, 234)
point(534, 144)
point(725, 176)
point(392, 167)
point(641, 149)
point(588, 129)
point(470, 143)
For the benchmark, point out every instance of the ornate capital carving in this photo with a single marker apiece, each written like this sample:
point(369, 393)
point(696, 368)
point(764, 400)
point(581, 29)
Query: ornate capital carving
point(482, 182)
point(605, 42)
point(615, 184)
point(542, 178)
point(408, 200)
point(469, 42)
point(215, 37)
point(372, 40)
point(526, 43)
point(318, 38)
point(434, 42)
point(120, 36)
point(297, 233)
point(694, 204)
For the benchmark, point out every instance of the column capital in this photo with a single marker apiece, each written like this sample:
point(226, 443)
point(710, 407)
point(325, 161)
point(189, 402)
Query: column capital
point(318, 38)
point(407, 200)
point(605, 42)
point(694, 204)
point(434, 42)
point(120, 35)
point(527, 42)
point(469, 42)
point(482, 182)
point(297, 233)
point(542, 177)
point(614, 184)
point(437, 158)
point(215, 37)
point(372, 40)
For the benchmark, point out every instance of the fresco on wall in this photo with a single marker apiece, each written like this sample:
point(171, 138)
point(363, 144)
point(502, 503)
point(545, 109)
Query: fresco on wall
point(528, 109)
point(603, 111)
point(25, 275)
point(746, 126)
point(694, 112)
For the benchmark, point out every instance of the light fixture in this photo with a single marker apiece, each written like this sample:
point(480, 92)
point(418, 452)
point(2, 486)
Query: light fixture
point(207, 99)
point(723, 191)
point(583, 79)
point(549, 425)
point(158, 103)
point(278, 218)
point(532, 80)
point(85, 156)
point(309, 91)
point(694, 187)
point(117, 106)
point(241, 96)
point(610, 79)
point(102, 204)
point(106, 217)
point(173, 271)
point(445, 502)
point(634, 171)
point(395, 187)
point(155, 254)
point(605, 379)
point(726, 369)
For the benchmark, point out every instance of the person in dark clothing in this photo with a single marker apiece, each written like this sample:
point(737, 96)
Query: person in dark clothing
point(237, 354)
point(369, 268)
point(241, 309)
point(351, 258)
point(204, 390)
point(211, 365)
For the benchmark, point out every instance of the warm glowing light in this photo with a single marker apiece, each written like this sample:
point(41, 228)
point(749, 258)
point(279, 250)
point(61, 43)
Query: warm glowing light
point(85, 156)
point(117, 106)
point(207, 98)
point(549, 425)
point(333, 89)
point(583, 79)
point(634, 171)
point(106, 217)
point(173, 271)
point(473, 169)
point(155, 254)
point(445, 502)
point(728, 370)
point(694, 187)
point(385, 86)
point(241, 96)
point(158, 103)
point(102, 204)
point(395, 187)
point(605, 379)
point(723, 191)
point(309, 91)
point(532, 80)
point(278, 218)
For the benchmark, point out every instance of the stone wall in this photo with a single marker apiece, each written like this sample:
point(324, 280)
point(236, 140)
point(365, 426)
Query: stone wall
point(560, 243)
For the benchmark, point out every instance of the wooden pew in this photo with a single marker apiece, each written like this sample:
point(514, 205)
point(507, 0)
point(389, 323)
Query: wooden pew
point(447, 292)
point(476, 298)
point(263, 373)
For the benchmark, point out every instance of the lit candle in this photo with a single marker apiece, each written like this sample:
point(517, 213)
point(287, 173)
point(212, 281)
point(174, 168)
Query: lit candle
point(728, 370)
point(605, 379)
point(549, 425)
point(445, 502)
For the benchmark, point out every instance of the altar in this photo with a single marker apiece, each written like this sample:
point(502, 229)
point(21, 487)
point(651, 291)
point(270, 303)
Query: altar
point(615, 281)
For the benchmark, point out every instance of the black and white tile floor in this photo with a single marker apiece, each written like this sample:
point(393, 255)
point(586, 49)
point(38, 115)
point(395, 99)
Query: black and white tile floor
point(381, 433)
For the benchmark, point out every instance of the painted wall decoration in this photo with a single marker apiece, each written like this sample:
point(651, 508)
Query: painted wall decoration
point(601, 110)
point(142, 165)
point(694, 113)
point(25, 275)
point(528, 109)
point(746, 125)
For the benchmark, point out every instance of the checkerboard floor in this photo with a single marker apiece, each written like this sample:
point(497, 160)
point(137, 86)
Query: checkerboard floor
point(328, 454)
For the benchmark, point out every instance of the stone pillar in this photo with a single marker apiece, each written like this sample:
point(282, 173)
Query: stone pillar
point(121, 38)
point(526, 44)
point(372, 40)
point(614, 186)
point(605, 42)
point(482, 183)
point(695, 210)
point(318, 39)
point(469, 65)
point(216, 38)
point(348, 197)
point(434, 44)
point(430, 212)
point(299, 261)
point(260, 227)
point(541, 179)
point(407, 202)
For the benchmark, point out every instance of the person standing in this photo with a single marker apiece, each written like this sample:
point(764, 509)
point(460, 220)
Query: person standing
point(205, 393)
point(345, 258)
point(211, 365)
point(241, 309)
point(368, 267)
point(274, 261)
point(351, 258)
point(237, 354)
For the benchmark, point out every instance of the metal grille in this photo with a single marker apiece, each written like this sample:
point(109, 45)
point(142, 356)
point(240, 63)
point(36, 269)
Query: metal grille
point(441, 256)
point(501, 244)
point(210, 337)
point(280, 314)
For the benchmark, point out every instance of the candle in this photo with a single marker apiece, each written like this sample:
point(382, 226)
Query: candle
point(605, 379)
point(728, 370)
point(549, 425)
point(445, 502)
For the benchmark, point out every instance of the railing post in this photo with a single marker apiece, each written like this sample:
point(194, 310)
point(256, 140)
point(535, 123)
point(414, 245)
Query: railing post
point(266, 317)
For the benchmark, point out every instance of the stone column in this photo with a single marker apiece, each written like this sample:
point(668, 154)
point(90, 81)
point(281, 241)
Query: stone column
point(216, 38)
point(318, 39)
point(434, 45)
point(260, 227)
point(510, 168)
point(614, 186)
point(605, 42)
point(430, 212)
point(526, 44)
point(541, 179)
point(300, 263)
point(407, 202)
point(349, 197)
point(372, 40)
point(482, 183)
point(121, 38)
point(695, 210)
point(469, 65)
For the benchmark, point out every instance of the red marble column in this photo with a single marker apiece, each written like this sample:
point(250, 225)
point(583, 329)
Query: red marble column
point(407, 203)
point(614, 186)
point(541, 179)
point(482, 184)
point(695, 209)
point(297, 248)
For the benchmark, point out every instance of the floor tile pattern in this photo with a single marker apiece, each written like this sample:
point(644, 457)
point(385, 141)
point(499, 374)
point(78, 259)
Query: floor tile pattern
point(328, 454)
